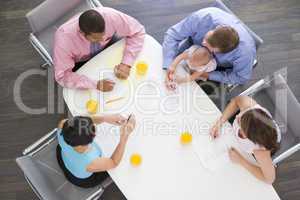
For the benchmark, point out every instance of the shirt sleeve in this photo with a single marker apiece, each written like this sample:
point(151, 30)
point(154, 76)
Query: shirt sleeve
point(134, 33)
point(63, 64)
point(180, 31)
point(240, 73)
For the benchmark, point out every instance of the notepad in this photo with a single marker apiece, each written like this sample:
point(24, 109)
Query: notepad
point(213, 154)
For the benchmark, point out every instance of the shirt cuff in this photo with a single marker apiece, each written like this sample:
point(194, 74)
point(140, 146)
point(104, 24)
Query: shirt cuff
point(94, 84)
point(128, 60)
point(166, 63)
point(215, 76)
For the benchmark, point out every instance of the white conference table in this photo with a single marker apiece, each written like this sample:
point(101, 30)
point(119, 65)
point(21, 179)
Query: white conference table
point(169, 170)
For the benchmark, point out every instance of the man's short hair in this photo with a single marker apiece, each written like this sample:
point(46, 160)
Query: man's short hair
point(78, 131)
point(225, 38)
point(91, 22)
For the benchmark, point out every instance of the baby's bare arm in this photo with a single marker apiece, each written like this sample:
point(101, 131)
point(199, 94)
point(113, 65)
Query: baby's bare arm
point(195, 75)
point(178, 59)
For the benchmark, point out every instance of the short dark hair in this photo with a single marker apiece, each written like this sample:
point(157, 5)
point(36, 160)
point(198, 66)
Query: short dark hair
point(91, 22)
point(78, 131)
point(225, 38)
point(260, 128)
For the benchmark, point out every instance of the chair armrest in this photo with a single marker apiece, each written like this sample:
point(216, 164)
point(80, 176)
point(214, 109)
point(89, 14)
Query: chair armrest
point(286, 154)
point(96, 3)
point(254, 88)
point(40, 48)
point(35, 177)
point(41, 143)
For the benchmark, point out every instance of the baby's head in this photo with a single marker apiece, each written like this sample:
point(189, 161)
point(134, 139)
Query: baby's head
point(200, 57)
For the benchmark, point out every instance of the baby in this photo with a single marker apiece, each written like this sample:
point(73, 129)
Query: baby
point(196, 60)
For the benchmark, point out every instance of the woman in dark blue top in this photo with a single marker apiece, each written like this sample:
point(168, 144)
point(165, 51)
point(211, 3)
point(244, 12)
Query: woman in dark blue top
point(80, 157)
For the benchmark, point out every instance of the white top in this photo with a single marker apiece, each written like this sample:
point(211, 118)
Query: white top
point(169, 170)
point(209, 67)
point(244, 143)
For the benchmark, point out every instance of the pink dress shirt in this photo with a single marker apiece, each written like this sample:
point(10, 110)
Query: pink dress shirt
point(71, 46)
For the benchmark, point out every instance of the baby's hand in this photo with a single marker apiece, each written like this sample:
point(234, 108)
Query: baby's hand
point(171, 85)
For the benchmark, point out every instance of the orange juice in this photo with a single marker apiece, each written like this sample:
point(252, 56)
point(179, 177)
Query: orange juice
point(186, 138)
point(92, 106)
point(136, 159)
point(141, 68)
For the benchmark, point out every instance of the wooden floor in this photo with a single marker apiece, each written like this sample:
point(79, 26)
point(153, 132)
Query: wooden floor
point(276, 21)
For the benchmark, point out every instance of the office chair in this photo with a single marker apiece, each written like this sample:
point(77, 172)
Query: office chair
point(43, 174)
point(274, 94)
point(47, 17)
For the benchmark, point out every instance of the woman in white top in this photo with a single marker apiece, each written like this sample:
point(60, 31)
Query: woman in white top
point(257, 134)
point(198, 59)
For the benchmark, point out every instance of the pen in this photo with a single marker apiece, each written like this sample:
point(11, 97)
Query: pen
point(128, 118)
point(113, 100)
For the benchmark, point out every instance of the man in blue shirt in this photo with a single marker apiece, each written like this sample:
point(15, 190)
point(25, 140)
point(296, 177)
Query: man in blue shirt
point(223, 35)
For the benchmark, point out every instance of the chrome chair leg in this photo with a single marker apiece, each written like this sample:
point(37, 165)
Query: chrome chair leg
point(44, 65)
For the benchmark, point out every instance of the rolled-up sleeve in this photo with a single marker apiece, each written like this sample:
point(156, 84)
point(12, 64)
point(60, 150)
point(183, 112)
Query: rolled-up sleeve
point(240, 73)
point(134, 33)
point(63, 64)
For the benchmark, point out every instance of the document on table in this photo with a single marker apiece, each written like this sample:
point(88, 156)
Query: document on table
point(213, 153)
point(116, 99)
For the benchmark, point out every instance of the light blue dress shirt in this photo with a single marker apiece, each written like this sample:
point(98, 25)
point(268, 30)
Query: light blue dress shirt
point(76, 162)
point(196, 25)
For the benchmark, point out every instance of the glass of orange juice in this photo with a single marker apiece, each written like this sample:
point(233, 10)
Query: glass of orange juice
point(136, 159)
point(141, 68)
point(186, 138)
point(92, 106)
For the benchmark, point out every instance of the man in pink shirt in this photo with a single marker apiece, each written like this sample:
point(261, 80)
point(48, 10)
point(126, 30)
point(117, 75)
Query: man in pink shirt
point(84, 36)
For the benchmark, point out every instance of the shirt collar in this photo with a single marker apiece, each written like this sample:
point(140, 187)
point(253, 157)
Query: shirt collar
point(80, 34)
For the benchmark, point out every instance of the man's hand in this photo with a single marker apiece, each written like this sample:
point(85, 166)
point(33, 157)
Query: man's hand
point(122, 71)
point(105, 85)
point(204, 76)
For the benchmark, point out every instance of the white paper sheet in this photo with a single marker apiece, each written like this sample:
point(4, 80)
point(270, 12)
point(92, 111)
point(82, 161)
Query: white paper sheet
point(213, 154)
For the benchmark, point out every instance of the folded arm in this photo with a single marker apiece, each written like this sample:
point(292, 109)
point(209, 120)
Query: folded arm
point(63, 65)
point(134, 33)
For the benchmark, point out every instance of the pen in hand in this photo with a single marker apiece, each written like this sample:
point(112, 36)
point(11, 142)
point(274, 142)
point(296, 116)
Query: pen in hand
point(128, 118)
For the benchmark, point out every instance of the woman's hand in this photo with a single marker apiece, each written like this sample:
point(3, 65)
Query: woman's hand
point(235, 156)
point(128, 127)
point(215, 130)
point(115, 119)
